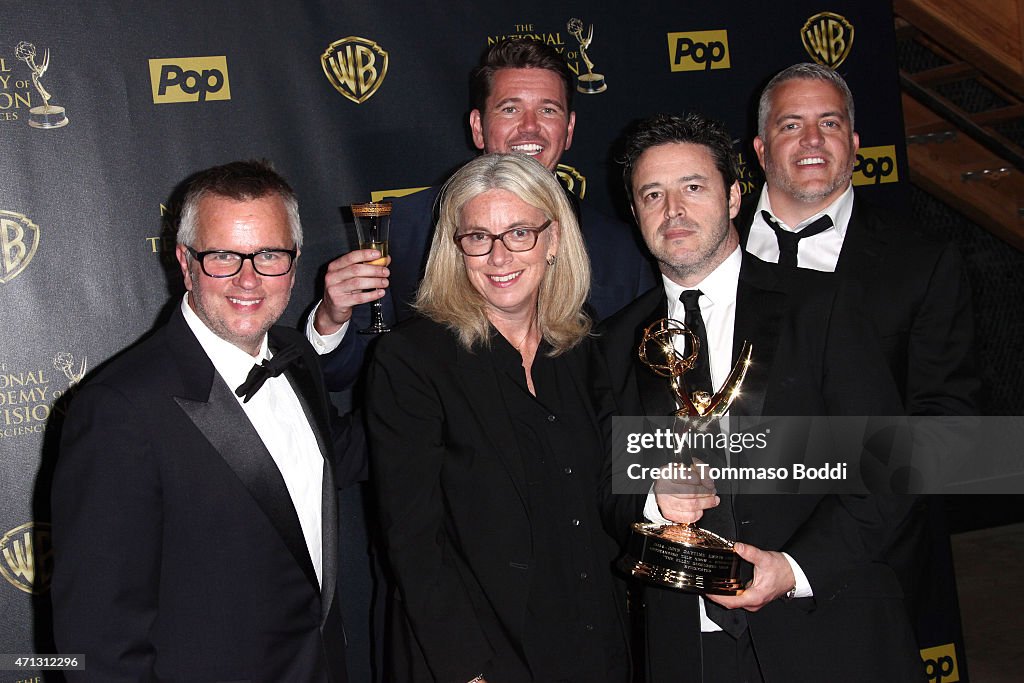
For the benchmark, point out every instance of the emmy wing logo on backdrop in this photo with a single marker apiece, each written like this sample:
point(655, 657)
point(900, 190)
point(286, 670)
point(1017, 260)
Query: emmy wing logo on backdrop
point(26, 557)
point(189, 79)
point(19, 239)
point(827, 38)
point(48, 115)
point(589, 83)
point(698, 51)
point(355, 66)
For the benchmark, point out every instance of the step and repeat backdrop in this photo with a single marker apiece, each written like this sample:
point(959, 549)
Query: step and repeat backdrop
point(106, 106)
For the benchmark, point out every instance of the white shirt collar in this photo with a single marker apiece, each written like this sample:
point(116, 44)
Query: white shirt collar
point(720, 284)
point(839, 211)
point(231, 362)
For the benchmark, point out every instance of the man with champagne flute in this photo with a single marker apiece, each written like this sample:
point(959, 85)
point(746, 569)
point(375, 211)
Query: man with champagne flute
point(522, 103)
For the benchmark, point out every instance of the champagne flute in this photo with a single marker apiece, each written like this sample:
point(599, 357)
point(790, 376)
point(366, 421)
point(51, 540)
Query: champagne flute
point(373, 220)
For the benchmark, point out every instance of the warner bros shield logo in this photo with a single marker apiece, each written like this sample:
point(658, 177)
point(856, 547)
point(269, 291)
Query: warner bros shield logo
point(26, 557)
point(355, 66)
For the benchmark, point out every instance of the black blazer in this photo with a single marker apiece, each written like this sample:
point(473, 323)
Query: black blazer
point(178, 554)
point(452, 490)
point(813, 355)
point(917, 297)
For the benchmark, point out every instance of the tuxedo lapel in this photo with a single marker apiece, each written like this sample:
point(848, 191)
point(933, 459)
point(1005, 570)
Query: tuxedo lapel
point(303, 384)
point(656, 395)
point(212, 407)
point(760, 306)
point(864, 248)
point(226, 427)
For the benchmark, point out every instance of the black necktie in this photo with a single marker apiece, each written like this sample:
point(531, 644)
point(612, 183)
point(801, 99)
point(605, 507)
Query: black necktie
point(719, 519)
point(789, 242)
point(699, 376)
point(273, 367)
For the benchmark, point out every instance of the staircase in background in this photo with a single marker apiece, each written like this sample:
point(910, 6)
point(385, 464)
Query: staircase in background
point(962, 75)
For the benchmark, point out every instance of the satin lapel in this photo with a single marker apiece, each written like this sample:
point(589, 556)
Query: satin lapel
point(656, 395)
point(863, 249)
point(301, 380)
point(760, 306)
point(479, 381)
point(329, 503)
point(225, 425)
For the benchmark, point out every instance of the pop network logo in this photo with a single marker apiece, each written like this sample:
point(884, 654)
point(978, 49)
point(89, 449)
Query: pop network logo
point(827, 38)
point(189, 79)
point(875, 165)
point(355, 66)
point(698, 50)
point(26, 557)
point(940, 664)
point(19, 239)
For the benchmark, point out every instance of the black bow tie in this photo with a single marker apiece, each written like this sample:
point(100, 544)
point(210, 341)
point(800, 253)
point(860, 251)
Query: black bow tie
point(273, 367)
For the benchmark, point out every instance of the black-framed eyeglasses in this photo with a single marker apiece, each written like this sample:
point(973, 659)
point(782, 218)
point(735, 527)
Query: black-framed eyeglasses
point(224, 263)
point(480, 243)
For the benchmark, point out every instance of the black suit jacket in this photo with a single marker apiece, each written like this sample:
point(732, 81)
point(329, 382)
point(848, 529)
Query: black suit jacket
point(178, 552)
point(812, 355)
point(452, 489)
point(918, 299)
point(621, 271)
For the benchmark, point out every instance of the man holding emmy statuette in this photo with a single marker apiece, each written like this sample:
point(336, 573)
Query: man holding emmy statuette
point(817, 601)
point(521, 95)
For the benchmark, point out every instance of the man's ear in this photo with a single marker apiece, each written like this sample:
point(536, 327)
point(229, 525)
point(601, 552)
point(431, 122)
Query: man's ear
point(182, 255)
point(476, 126)
point(735, 197)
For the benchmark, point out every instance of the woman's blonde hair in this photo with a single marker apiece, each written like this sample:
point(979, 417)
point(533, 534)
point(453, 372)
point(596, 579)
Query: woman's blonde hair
point(447, 296)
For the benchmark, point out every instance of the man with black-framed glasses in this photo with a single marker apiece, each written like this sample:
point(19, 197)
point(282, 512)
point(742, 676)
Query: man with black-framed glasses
point(194, 505)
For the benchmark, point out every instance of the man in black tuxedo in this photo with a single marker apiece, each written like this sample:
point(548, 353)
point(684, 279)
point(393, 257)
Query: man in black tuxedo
point(522, 102)
point(195, 524)
point(821, 604)
point(807, 215)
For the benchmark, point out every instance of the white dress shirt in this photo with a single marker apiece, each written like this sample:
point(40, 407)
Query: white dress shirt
point(278, 418)
point(718, 309)
point(324, 343)
point(817, 252)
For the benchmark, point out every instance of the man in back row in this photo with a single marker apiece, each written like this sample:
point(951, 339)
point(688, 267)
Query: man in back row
point(522, 102)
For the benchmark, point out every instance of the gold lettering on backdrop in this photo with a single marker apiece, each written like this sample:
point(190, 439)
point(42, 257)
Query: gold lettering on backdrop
point(553, 38)
point(27, 396)
point(746, 177)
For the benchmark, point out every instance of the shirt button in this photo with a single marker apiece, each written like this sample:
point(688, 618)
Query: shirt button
point(551, 418)
point(589, 627)
point(568, 470)
point(583, 576)
point(576, 522)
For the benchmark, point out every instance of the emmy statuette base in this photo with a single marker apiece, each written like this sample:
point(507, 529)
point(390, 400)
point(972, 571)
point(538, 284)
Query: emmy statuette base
point(591, 84)
point(47, 117)
point(698, 561)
